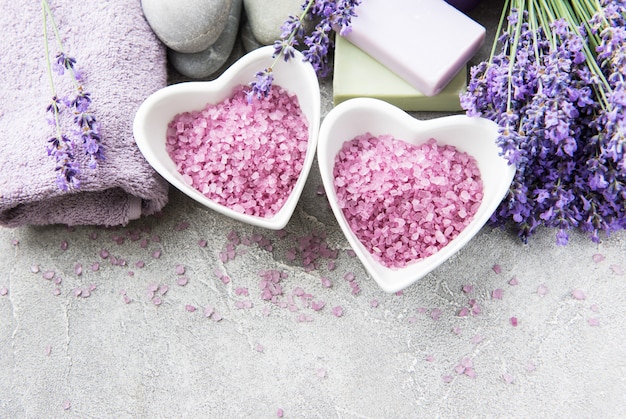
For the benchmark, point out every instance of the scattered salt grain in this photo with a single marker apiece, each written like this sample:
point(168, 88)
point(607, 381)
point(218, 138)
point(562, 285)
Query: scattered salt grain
point(48, 350)
point(468, 288)
point(4, 291)
point(593, 322)
point(190, 308)
point(531, 366)
point(237, 154)
point(64, 245)
point(280, 413)
point(317, 305)
point(435, 313)
point(202, 243)
point(182, 281)
point(514, 321)
point(476, 339)
point(156, 254)
point(597, 258)
point(374, 303)
point(48, 275)
point(497, 294)
point(497, 269)
point(305, 318)
point(466, 367)
point(542, 290)
point(404, 202)
point(326, 282)
point(508, 378)
point(34, 269)
point(208, 311)
point(56, 292)
point(66, 405)
point(78, 269)
point(104, 253)
point(338, 311)
point(183, 225)
point(578, 294)
point(618, 269)
point(513, 281)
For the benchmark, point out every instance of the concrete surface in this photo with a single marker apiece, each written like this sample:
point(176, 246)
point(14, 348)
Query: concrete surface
point(94, 344)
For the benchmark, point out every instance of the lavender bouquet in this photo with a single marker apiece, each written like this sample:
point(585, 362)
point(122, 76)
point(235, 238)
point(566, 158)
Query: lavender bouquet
point(328, 15)
point(554, 84)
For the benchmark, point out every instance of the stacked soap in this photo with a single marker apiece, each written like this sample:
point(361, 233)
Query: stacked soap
point(425, 43)
point(357, 74)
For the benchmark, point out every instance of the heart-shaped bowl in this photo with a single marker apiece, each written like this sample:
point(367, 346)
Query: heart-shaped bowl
point(153, 116)
point(473, 135)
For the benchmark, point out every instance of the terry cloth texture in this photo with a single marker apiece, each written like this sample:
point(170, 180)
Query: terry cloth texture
point(122, 63)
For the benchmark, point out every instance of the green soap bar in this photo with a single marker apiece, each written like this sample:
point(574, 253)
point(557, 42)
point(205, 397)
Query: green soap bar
point(356, 74)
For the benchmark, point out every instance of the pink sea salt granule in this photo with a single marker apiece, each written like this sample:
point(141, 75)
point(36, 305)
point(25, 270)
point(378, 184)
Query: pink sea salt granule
point(244, 156)
point(405, 202)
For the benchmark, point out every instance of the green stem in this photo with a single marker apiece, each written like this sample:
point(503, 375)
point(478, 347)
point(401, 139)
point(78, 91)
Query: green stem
point(293, 33)
point(503, 15)
point(45, 9)
point(513, 50)
point(57, 36)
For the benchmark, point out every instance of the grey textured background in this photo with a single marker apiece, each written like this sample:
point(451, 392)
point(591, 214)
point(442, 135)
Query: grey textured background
point(387, 356)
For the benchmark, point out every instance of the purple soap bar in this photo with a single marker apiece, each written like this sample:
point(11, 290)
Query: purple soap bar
point(425, 42)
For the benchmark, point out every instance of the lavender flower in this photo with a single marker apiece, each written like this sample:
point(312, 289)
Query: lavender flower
point(75, 125)
point(330, 14)
point(556, 91)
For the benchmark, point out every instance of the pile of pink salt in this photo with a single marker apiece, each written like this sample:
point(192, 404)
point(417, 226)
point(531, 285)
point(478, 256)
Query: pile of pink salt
point(405, 202)
point(244, 156)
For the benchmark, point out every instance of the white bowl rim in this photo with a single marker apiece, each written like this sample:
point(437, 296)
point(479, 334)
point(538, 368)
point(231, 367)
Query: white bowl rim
point(390, 279)
point(221, 87)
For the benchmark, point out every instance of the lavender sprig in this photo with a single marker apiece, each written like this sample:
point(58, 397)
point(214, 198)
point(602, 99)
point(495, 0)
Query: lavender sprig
point(83, 133)
point(330, 14)
point(556, 90)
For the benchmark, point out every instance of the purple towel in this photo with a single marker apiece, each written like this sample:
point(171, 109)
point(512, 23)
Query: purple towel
point(122, 62)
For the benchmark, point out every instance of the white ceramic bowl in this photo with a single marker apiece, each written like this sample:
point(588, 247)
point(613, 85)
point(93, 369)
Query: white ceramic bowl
point(476, 136)
point(154, 114)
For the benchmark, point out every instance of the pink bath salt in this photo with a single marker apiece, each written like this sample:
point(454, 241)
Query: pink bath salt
point(405, 202)
point(244, 156)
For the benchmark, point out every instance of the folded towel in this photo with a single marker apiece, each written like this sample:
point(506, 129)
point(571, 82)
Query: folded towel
point(122, 62)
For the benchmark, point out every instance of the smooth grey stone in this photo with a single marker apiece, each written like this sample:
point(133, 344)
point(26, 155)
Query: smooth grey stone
point(266, 17)
point(248, 40)
point(202, 64)
point(187, 25)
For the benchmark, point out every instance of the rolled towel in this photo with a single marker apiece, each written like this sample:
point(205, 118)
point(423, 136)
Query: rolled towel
point(122, 63)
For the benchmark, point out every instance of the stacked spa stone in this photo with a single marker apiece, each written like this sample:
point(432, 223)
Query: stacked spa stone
point(201, 34)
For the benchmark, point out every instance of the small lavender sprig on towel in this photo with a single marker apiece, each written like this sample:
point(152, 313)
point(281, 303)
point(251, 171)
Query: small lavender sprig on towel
point(318, 44)
point(83, 133)
point(557, 91)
